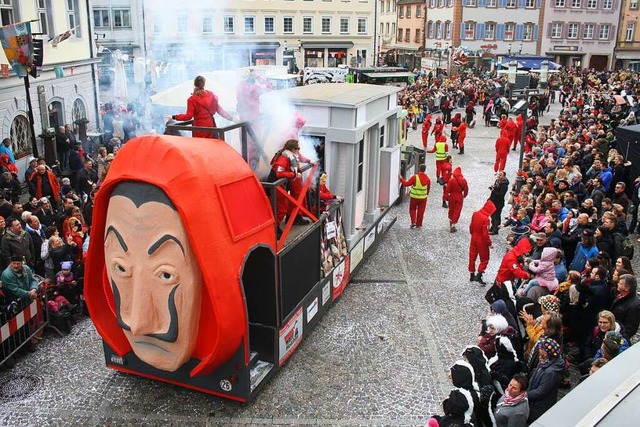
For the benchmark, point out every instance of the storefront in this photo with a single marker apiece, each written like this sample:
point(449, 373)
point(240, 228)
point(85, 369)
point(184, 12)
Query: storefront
point(325, 54)
point(567, 56)
point(236, 55)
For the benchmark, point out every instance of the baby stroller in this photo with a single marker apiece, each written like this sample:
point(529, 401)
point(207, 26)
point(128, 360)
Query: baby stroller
point(59, 309)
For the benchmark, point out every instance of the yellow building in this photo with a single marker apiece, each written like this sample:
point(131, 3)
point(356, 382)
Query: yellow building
point(627, 54)
point(64, 91)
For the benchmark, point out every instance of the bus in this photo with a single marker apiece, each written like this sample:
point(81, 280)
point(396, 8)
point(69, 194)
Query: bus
point(392, 76)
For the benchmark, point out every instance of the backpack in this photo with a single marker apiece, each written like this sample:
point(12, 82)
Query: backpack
point(626, 247)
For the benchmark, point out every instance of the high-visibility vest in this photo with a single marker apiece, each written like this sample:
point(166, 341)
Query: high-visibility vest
point(441, 154)
point(419, 191)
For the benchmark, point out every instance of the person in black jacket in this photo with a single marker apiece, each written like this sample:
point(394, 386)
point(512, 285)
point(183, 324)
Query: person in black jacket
point(499, 190)
point(545, 379)
point(626, 305)
point(63, 146)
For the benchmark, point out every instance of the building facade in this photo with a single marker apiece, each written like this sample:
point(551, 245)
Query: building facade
point(387, 24)
point(487, 29)
point(627, 54)
point(64, 91)
point(233, 34)
point(581, 33)
point(410, 35)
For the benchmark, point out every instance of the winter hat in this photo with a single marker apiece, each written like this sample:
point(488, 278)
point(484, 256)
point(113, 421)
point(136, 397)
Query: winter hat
point(550, 303)
point(611, 347)
point(504, 347)
point(66, 265)
point(498, 322)
point(463, 375)
point(615, 336)
point(458, 404)
point(550, 346)
point(476, 358)
point(499, 307)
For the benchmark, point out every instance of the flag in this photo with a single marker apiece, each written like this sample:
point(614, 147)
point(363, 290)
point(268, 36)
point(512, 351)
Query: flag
point(62, 37)
point(18, 46)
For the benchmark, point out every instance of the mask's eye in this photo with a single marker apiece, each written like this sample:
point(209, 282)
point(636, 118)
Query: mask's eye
point(165, 276)
point(120, 268)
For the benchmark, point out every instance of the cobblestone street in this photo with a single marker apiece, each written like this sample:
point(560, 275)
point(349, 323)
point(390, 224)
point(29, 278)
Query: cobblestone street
point(378, 357)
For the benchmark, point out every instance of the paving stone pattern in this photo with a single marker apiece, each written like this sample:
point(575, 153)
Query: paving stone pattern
point(379, 356)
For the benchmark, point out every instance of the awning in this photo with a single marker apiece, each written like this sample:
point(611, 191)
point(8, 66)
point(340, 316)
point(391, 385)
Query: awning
point(328, 45)
point(529, 63)
point(628, 55)
point(387, 75)
point(251, 45)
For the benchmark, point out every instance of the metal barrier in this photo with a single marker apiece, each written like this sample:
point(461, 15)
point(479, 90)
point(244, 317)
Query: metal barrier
point(21, 328)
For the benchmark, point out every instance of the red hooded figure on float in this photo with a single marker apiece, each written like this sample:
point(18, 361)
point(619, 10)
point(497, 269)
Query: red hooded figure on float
point(173, 225)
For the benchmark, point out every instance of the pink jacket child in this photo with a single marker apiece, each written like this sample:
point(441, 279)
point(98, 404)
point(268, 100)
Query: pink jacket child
point(544, 271)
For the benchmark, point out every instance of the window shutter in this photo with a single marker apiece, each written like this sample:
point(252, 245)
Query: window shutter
point(479, 31)
point(482, 3)
point(462, 35)
point(442, 30)
point(535, 33)
point(549, 30)
point(519, 31)
point(539, 4)
point(500, 32)
point(464, 3)
point(502, 3)
point(612, 31)
point(521, 4)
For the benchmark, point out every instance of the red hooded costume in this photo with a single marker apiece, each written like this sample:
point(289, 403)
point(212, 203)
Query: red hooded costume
point(201, 106)
point(480, 240)
point(426, 125)
point(457, 189)
point(502, 150)
point(518, 136)
point(510, 127)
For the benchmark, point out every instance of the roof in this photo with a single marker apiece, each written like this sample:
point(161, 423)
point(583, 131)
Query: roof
point(410, 1)
point(392, 74)
point(338, 94)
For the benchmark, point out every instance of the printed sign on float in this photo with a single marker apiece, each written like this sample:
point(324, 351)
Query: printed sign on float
point(312, 309)
point(290, 336)
point(326, 293)
point(340, 277)
point(369, 239)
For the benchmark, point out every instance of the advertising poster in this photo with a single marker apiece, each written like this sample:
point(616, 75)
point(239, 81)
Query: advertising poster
point(340, 278)
point(290, 336)
point(333, 243)
point(312, 309)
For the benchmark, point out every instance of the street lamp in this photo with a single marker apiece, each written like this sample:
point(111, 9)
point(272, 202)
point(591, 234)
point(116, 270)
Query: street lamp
point(544, 73)
point(521, 107)
point(520, 49)
point(511, 76)
point(509, 49)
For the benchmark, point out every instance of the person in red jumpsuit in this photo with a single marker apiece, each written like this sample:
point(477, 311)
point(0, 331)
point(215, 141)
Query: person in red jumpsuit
point(502, 150)
point(510, 128)
point(503, 122)
point(420, 187)
point(201, 106)
point(462, 134)
point(326, 196)
point(480, 241)
point(446, 169)
point(284, 165)
point(518, 136)
point(441, 148)
point(457, 189)
point(438, 128)
point(426, 126)
point(512, 268)
point(248, 92)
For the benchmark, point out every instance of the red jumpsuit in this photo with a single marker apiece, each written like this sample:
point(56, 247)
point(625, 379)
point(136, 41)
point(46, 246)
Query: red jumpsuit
point(530, 142)
point(417, 206)
point(201, 106)
point(510, 128)
point(438, 128)
point(296, 184)
point(462, 134)
point(446, 176)
point(511, 268)
point(457, 189)
point(441, 148)
point(426, 125)
point(480, 240)
point(518, 136)
point(502, 150)
point(282, 168)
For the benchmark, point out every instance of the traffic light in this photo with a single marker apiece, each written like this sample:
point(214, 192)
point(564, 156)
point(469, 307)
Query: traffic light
point(38, 57)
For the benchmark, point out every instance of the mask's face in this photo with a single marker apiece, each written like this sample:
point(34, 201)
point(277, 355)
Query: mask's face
point(155, 279)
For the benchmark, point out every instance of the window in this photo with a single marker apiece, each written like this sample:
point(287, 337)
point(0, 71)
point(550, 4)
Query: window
point(362, 25)
point(527, 34)
point(556, 30)
point(101, 18)
point(430, 31)
point(249, 24)
point(418, 13)
point(604, 32)
point(509, 30)
point(20, 132)
point(408, 12)
point(438, 30)
point(399, 34)
point(393, 28)
point(287, 24)
point(207, 24)
point(78, 111)
point(447, 29)
point(575, 4)
point(407, 35)
point(269, 24)
point(344, 25)
point(592, 4)
point(307, 24)
point(386, 29)
point(401, 12)
point(469, 30)
point(417, 38)
point(560, 3)
point(607, 4)
point(326, 25)
point(229, 24)
point(381, 136)
point(122, 18)
point(183, 24)
point(490, 31)
point(492, 3)
point(572, 32)
point(6, 13)
point(629, 34)
point(73, 16)
point(43, 17)
point(158, 24)
point(633, 4)
point(530, 4)
point(587, 31)
point(511, 4)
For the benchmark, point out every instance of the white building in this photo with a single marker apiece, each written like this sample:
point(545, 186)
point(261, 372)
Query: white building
point(65, 90)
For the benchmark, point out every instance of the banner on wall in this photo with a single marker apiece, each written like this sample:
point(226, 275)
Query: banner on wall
point(17, 43)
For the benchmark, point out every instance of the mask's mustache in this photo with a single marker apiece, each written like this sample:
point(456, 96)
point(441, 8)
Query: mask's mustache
point(172, 333)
